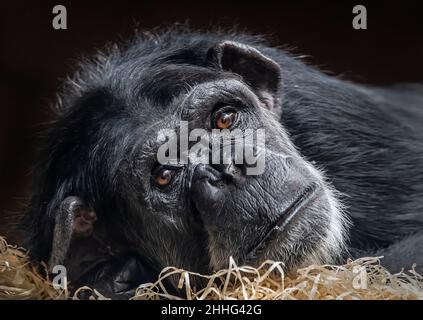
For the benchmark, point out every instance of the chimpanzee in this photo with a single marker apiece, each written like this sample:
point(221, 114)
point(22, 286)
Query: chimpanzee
point(343, 164)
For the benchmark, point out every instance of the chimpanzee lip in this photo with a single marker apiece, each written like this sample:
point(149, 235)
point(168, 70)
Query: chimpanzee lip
point(307, 195)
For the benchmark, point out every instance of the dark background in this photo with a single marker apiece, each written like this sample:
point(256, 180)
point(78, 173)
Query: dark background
point(34, 55)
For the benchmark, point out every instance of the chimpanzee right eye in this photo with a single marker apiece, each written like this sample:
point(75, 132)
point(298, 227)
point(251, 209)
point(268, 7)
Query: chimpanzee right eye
point(163, 177)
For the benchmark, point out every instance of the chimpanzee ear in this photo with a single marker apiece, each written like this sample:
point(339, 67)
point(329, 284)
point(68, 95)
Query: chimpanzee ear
point(73, 219)
point(259, 71)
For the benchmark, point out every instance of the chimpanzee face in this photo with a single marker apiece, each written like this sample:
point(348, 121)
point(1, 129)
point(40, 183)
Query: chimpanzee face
point(104, 163)
point(198, 212)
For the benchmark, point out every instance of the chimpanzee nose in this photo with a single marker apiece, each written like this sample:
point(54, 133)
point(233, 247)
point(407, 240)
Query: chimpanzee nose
point(227, 171)
point(206, 190)
point(208, 185)
point(216, 174)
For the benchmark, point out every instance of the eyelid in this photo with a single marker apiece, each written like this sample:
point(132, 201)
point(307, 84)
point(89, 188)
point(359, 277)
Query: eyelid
point(235, 103)
point(224, 107)
point(159, 167)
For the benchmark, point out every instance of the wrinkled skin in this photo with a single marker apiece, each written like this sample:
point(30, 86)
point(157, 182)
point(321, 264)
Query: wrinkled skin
point(236, 210)
point(97, 207)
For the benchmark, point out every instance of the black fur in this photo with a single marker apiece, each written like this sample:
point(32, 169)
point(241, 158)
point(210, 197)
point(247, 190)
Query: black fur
point(368, 140)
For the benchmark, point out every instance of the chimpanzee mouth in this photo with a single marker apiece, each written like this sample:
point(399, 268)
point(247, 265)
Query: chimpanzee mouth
point(281, 224)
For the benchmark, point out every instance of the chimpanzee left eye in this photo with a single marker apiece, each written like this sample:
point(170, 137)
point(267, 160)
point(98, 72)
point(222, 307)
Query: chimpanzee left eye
point(225, 119)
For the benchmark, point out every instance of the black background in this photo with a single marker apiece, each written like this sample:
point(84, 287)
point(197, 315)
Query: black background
point(34, 55)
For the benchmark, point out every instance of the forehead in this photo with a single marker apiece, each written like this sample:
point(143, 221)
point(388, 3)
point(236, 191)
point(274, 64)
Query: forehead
point(162, 84)
point(198, 101)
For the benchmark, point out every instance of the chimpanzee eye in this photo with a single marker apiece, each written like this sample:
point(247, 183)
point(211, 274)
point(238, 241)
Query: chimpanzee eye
point(163, 177)
point(225, 119)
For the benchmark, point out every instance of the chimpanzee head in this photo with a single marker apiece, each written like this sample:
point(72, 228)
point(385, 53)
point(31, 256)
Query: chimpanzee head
point(101, 171)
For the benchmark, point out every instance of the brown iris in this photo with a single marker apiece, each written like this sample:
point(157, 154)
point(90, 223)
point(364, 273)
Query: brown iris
point(225, 120)
point(164, 177)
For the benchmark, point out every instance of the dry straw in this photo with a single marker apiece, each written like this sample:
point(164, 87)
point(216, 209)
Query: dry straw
point(20, 280)
point(364, 278)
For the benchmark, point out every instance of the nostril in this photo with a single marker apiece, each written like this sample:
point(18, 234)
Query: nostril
point(218, 167)
point(207, 173)
point(228, 169)
point(218, 183)
point(232, 171)
point(218, 175)
point(228, 173)
point(237, 170)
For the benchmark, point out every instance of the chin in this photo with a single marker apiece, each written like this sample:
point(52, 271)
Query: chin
point(315, 235)
point(311, 230)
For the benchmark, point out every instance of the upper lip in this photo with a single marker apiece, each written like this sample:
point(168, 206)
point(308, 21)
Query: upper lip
point(285, 218)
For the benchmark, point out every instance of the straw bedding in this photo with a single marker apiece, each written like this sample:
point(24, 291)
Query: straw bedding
point(360, 279)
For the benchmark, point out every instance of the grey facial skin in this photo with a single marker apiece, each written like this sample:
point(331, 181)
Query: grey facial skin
point(289, 213)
